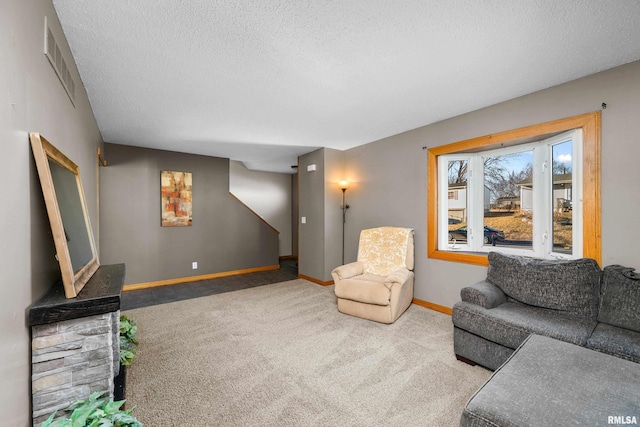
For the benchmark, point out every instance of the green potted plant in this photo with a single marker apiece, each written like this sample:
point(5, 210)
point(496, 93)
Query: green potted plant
point(93, 412)
point(128, 348)
point(128, 342)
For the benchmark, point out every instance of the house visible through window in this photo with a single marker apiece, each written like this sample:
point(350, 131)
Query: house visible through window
point(521, 196)
point(518, 199)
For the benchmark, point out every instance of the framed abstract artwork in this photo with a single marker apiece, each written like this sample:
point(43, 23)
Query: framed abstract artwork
point(176, 198)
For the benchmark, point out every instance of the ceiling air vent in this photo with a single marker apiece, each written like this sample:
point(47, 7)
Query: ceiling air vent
point(54, 55)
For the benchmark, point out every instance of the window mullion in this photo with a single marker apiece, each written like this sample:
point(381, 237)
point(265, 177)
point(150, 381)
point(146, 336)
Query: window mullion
point(443, 205)
point(541, 206)
point(576, 182)
point(476, 211)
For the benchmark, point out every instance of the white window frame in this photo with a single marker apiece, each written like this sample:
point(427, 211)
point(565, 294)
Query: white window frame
point(543, 205)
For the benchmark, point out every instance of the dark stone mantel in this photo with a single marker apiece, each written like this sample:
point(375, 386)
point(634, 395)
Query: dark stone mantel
point(100, 295)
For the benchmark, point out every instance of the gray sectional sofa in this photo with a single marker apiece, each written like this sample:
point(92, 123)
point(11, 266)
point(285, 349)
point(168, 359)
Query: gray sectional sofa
point(569, 300)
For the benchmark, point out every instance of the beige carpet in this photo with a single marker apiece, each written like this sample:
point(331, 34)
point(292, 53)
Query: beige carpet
point(282, 355)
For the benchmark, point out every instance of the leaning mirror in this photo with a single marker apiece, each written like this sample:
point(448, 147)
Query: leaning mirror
point(68, 215)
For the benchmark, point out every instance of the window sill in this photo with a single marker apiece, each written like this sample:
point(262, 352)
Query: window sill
point(462, 257)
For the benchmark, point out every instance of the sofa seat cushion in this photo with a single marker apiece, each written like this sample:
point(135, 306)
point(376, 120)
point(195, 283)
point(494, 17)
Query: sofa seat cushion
point(571, 286)
point(620, 297)
point(552, 383)
point(366, 288)
point(616, 341)
point(511, 323)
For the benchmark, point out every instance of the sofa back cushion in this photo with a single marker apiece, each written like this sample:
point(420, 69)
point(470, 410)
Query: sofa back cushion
point(620, 297)
point(569, 286)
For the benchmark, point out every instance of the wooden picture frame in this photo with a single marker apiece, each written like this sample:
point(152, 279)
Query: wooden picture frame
point(68, 215)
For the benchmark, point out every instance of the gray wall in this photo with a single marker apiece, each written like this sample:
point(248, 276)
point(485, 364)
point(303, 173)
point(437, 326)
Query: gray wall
point(269, 195)
point(295, 217)
point(320, 197)
point(311, 198)
point(391, 174)
point(333, 174)
point(225, 235)
point(32, 100)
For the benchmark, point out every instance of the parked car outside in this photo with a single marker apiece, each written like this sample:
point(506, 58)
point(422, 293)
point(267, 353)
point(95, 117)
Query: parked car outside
point(491, 235)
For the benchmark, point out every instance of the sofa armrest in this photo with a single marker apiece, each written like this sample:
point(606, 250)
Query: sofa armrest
point(399, 276)
point(484, 294)
point(348, 270)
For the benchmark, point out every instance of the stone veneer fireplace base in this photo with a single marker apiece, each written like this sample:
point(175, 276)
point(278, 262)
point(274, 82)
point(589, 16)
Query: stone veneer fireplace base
point(75, 343)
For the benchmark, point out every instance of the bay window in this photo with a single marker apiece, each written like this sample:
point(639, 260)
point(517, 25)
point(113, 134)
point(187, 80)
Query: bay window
point(533, 191)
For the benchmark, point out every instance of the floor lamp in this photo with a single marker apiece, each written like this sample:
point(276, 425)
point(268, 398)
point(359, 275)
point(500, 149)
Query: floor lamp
point(343, 186)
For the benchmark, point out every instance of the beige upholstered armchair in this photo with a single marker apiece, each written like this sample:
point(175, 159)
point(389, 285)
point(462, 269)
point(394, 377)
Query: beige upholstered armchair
point(379, 285)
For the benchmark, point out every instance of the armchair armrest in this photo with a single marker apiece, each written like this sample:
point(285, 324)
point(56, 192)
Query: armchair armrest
point(348, 270)
point(484, 294)
point(399, 276)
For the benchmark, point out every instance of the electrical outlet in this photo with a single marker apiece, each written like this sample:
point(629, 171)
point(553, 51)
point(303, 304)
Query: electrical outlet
point(194, 265)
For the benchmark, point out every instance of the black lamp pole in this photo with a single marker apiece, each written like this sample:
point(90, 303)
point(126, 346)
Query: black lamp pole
point(344, 218)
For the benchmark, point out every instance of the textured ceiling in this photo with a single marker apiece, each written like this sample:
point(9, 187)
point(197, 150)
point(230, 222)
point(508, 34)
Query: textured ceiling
point(263, 81)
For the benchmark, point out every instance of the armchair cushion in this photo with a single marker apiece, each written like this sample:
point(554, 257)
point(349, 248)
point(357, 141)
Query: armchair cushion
point(366, 288)
point(383, 250)
point(400, 276)
point(347, 271)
